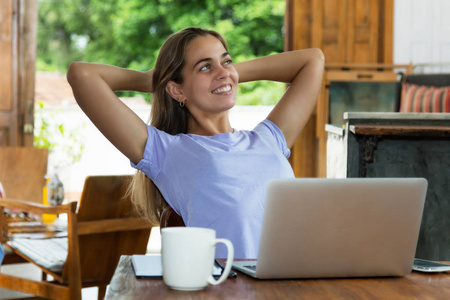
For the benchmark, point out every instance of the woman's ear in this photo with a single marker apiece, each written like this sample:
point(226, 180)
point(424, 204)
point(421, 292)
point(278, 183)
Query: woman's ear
point(174, 90)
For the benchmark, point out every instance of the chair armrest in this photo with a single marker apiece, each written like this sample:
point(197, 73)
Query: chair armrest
point(38, 208)
point(69, 208)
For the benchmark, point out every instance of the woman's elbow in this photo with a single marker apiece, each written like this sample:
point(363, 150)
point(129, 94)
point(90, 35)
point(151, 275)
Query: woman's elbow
point(75, 72)
point(317, 55)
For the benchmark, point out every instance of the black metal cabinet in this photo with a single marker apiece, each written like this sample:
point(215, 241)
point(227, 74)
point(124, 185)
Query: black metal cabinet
point(400, 145)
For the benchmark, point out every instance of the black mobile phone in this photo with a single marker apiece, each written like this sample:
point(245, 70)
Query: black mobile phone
point(423, 265)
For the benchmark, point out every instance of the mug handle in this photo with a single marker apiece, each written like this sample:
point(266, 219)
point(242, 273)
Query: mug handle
point(227, 269)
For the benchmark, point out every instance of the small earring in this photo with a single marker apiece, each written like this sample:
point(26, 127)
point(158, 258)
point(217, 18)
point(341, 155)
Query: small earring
point(181, 103)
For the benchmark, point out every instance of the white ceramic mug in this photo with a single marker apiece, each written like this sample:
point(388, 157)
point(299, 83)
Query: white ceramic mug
point(187, 255)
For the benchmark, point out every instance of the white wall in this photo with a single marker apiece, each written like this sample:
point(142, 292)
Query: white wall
point(422, 34)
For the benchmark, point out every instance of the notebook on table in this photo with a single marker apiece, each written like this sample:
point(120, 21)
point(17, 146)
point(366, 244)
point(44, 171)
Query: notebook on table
point(329, 228)
point(150, 266)
point(147, 266)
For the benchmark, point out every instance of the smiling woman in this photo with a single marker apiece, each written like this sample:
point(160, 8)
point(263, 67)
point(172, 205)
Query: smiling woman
point(190, 157)
point(209, 86)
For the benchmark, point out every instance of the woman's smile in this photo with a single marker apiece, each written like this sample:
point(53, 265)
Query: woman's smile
point(223, 90)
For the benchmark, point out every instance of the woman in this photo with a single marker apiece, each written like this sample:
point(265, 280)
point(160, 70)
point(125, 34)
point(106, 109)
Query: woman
point(211, 174)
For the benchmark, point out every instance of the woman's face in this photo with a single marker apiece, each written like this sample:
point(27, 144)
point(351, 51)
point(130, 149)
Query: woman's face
point(210, 79)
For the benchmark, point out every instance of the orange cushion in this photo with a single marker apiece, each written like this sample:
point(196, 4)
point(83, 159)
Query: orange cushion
point(425, 98)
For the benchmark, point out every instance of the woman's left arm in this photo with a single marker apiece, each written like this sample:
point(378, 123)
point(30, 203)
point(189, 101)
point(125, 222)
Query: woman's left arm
point(303, 71)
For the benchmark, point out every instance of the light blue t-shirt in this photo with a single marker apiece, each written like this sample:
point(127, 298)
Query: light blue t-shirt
point(219, 181)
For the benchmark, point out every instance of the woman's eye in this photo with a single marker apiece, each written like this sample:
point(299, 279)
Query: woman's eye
point(229, 62)
point(205, 67)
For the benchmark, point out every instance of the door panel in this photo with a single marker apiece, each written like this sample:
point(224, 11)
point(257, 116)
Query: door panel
point(347, 31)
point(18, 30)
point(7, 102)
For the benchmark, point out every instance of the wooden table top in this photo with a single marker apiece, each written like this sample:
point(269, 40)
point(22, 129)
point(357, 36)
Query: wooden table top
point(125, 285)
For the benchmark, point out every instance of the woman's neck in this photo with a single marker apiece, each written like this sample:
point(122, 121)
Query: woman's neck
point(209, 126)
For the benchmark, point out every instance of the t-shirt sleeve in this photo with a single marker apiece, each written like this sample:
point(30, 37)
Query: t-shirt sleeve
point(268, 128)
point(155, 152)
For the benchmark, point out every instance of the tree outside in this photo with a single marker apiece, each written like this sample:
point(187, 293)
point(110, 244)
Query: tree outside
point(129, 33)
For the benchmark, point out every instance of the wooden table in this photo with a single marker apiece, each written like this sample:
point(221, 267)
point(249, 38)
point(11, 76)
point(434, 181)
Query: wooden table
point(124, 285)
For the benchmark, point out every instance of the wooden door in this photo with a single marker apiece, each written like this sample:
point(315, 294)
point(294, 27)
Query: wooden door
point(347, 31)
point(18, 24)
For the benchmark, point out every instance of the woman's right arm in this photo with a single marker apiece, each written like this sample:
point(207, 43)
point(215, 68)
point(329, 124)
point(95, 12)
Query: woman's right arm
point(93, 86)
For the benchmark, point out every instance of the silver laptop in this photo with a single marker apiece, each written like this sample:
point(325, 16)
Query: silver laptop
point(327, 228)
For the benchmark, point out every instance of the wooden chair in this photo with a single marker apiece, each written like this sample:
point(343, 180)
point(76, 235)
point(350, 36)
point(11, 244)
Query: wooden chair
point(100, 232)
point(22, 174)
point(169, 218)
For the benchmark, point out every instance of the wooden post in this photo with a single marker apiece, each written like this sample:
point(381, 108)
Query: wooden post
point(27, 62)
point(73, 257)
point(18, 30)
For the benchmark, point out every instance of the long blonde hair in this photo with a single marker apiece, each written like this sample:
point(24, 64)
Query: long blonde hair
point(166, 113)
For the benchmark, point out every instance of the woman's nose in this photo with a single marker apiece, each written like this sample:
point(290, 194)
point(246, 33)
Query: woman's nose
point(222, 72)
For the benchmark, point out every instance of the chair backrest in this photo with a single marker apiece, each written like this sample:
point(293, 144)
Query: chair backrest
point(102, 200)
point(169, 218)
point(22, 172)
point(429, 79)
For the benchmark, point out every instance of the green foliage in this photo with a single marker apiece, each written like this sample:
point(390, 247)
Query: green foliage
point(56, 137)
point(42, 135)
point(260, 93)
point(129, 33)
